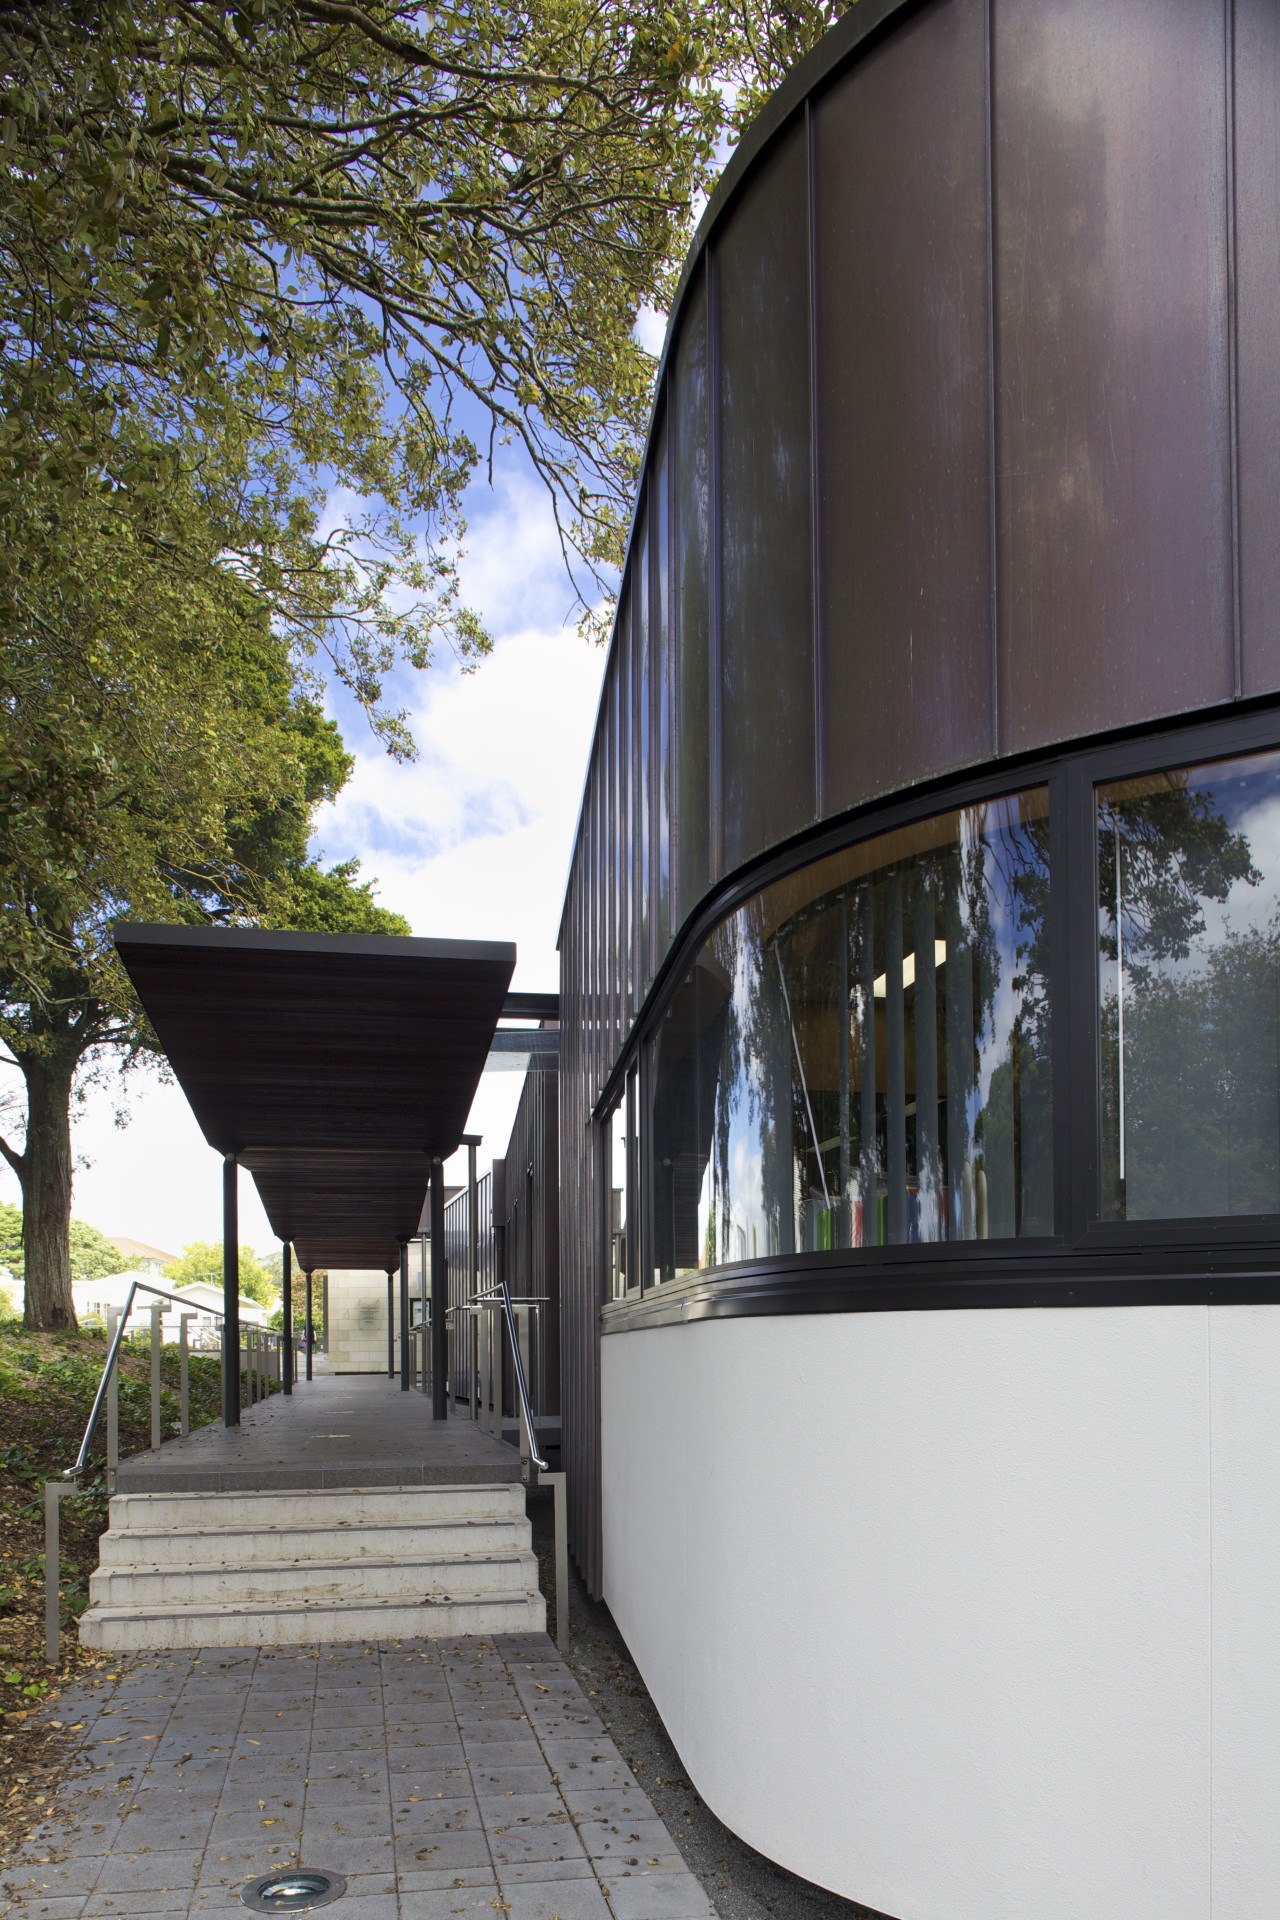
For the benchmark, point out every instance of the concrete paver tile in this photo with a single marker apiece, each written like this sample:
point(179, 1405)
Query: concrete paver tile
point(658, 1896)
point(501, 1809)
point(512, 1845)
point(455, 1903)
point(492, 1783)
point(49, 1877)
point(122, 1872)
point(347, 1855)
point(442, 1852)
point(517, 1872)
point(423, 1880)
point(554, 1900)
point(55, 1908)
point(609, 1840)
point(437, 1816)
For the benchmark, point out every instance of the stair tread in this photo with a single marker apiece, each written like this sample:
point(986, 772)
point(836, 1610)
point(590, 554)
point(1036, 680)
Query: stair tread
point(189, 1609)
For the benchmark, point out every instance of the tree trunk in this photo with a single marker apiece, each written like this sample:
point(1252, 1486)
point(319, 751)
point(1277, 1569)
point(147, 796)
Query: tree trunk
point(46, 1194)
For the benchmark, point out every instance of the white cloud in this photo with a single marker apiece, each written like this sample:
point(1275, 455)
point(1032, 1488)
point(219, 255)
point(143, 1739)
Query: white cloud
point(470, 841)
point(651, 329)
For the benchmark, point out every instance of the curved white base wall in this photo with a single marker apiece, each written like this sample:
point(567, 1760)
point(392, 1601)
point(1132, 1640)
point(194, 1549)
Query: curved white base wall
point(972, 1615)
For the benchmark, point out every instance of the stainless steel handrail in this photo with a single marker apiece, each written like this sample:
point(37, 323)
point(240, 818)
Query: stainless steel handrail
point(143, 1286)
point(500, 1291)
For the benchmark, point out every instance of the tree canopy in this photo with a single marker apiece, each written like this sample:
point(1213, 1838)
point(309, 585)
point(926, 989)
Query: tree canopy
point(202, 1260)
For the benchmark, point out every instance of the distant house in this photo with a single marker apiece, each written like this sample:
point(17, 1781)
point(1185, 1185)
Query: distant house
point(152, 1259)
point(94, 1299)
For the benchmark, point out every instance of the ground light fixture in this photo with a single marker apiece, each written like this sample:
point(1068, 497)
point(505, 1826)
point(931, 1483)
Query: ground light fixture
point(293, 1890)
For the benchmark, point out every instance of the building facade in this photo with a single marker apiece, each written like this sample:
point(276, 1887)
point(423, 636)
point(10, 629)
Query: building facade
point(920, 1052)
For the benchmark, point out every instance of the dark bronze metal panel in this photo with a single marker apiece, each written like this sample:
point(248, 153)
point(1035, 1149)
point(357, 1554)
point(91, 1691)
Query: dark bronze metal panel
point(1112, 420)
point(1257, 146)
point(691, 506)
point(903, 399)
point(766, 637)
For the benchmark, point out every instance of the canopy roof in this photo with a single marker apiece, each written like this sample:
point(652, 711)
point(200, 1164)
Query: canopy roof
point(336, 1066)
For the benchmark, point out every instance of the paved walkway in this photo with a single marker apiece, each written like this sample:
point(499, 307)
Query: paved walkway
point(446, 1780)
point(338, 1430)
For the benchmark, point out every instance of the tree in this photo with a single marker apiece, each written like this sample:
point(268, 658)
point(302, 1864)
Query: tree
point(202, 1260)
point(196, 760)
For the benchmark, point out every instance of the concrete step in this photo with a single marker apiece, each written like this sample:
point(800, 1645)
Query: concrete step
point(382, 1540)
point(281, 1567)
point(144, 1629)
point(339, 1506)
point(301, 1582)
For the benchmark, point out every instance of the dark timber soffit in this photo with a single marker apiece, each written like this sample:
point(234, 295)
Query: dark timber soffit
point(335, 1065)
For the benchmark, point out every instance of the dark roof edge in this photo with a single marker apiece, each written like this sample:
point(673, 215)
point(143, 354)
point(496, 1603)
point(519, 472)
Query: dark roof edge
point(837, 44)
point(386, 946)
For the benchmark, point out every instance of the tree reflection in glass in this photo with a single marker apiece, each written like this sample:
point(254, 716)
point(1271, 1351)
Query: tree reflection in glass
point(1189, 991)
point(859, 1056)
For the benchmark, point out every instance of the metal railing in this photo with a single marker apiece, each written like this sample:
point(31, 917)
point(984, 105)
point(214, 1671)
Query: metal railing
point(261, 1345)
point(487, 1402)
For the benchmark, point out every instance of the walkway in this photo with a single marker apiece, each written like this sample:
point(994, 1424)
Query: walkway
point(338, 1430)
point(446, 1780)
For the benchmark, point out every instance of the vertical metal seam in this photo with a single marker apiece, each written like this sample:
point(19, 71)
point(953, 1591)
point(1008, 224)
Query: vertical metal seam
point(815, 556)
point(1233, 345)
point(993, 589)
point(714, 595)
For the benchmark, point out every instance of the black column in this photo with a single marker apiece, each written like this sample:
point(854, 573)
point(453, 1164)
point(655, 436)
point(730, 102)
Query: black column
point(286, 1290)
point(404, 1316)
point(230, 1292)
point(439, 1298)
point(310, 1329)
point(391, 1325)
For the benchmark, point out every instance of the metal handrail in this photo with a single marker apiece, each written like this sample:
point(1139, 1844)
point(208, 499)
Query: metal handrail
point(74, 1472)
point(500, 1291)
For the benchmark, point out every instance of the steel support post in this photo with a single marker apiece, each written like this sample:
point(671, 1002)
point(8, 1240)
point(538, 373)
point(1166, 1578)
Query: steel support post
point(404, 1316)
point(391, 1324)
point(310, 1333)
point(472, 1322)
point(286, 1351)
point(230, 1292)
point(157, 1344)
point(439, 1299)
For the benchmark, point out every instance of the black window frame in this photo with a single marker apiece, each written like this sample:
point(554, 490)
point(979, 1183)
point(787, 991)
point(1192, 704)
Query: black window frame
point(1086, 1260)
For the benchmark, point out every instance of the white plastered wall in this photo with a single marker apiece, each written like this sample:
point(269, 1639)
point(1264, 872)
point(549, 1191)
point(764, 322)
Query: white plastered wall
point(971, 1615)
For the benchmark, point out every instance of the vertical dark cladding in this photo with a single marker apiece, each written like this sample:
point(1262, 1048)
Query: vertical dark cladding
point(530, 1216)
point(903, 396)
point(1025, 217)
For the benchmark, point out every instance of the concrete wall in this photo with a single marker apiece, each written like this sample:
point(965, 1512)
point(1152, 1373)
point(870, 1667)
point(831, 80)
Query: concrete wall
point(969, 1616)
point(357, 1321)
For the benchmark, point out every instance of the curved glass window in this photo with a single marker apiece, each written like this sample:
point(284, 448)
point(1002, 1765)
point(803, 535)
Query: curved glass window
point(859, 1056)
point(1189, 991)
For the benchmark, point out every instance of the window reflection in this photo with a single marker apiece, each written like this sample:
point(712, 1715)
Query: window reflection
point(860, 1055)
point(1189, 991)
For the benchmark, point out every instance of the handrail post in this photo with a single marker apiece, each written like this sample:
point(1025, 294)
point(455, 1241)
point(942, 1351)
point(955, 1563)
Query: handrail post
point(157, 1342)
point(54, 1492)
point(556, 1481)
point(184, 1375)
point(113, 1405)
